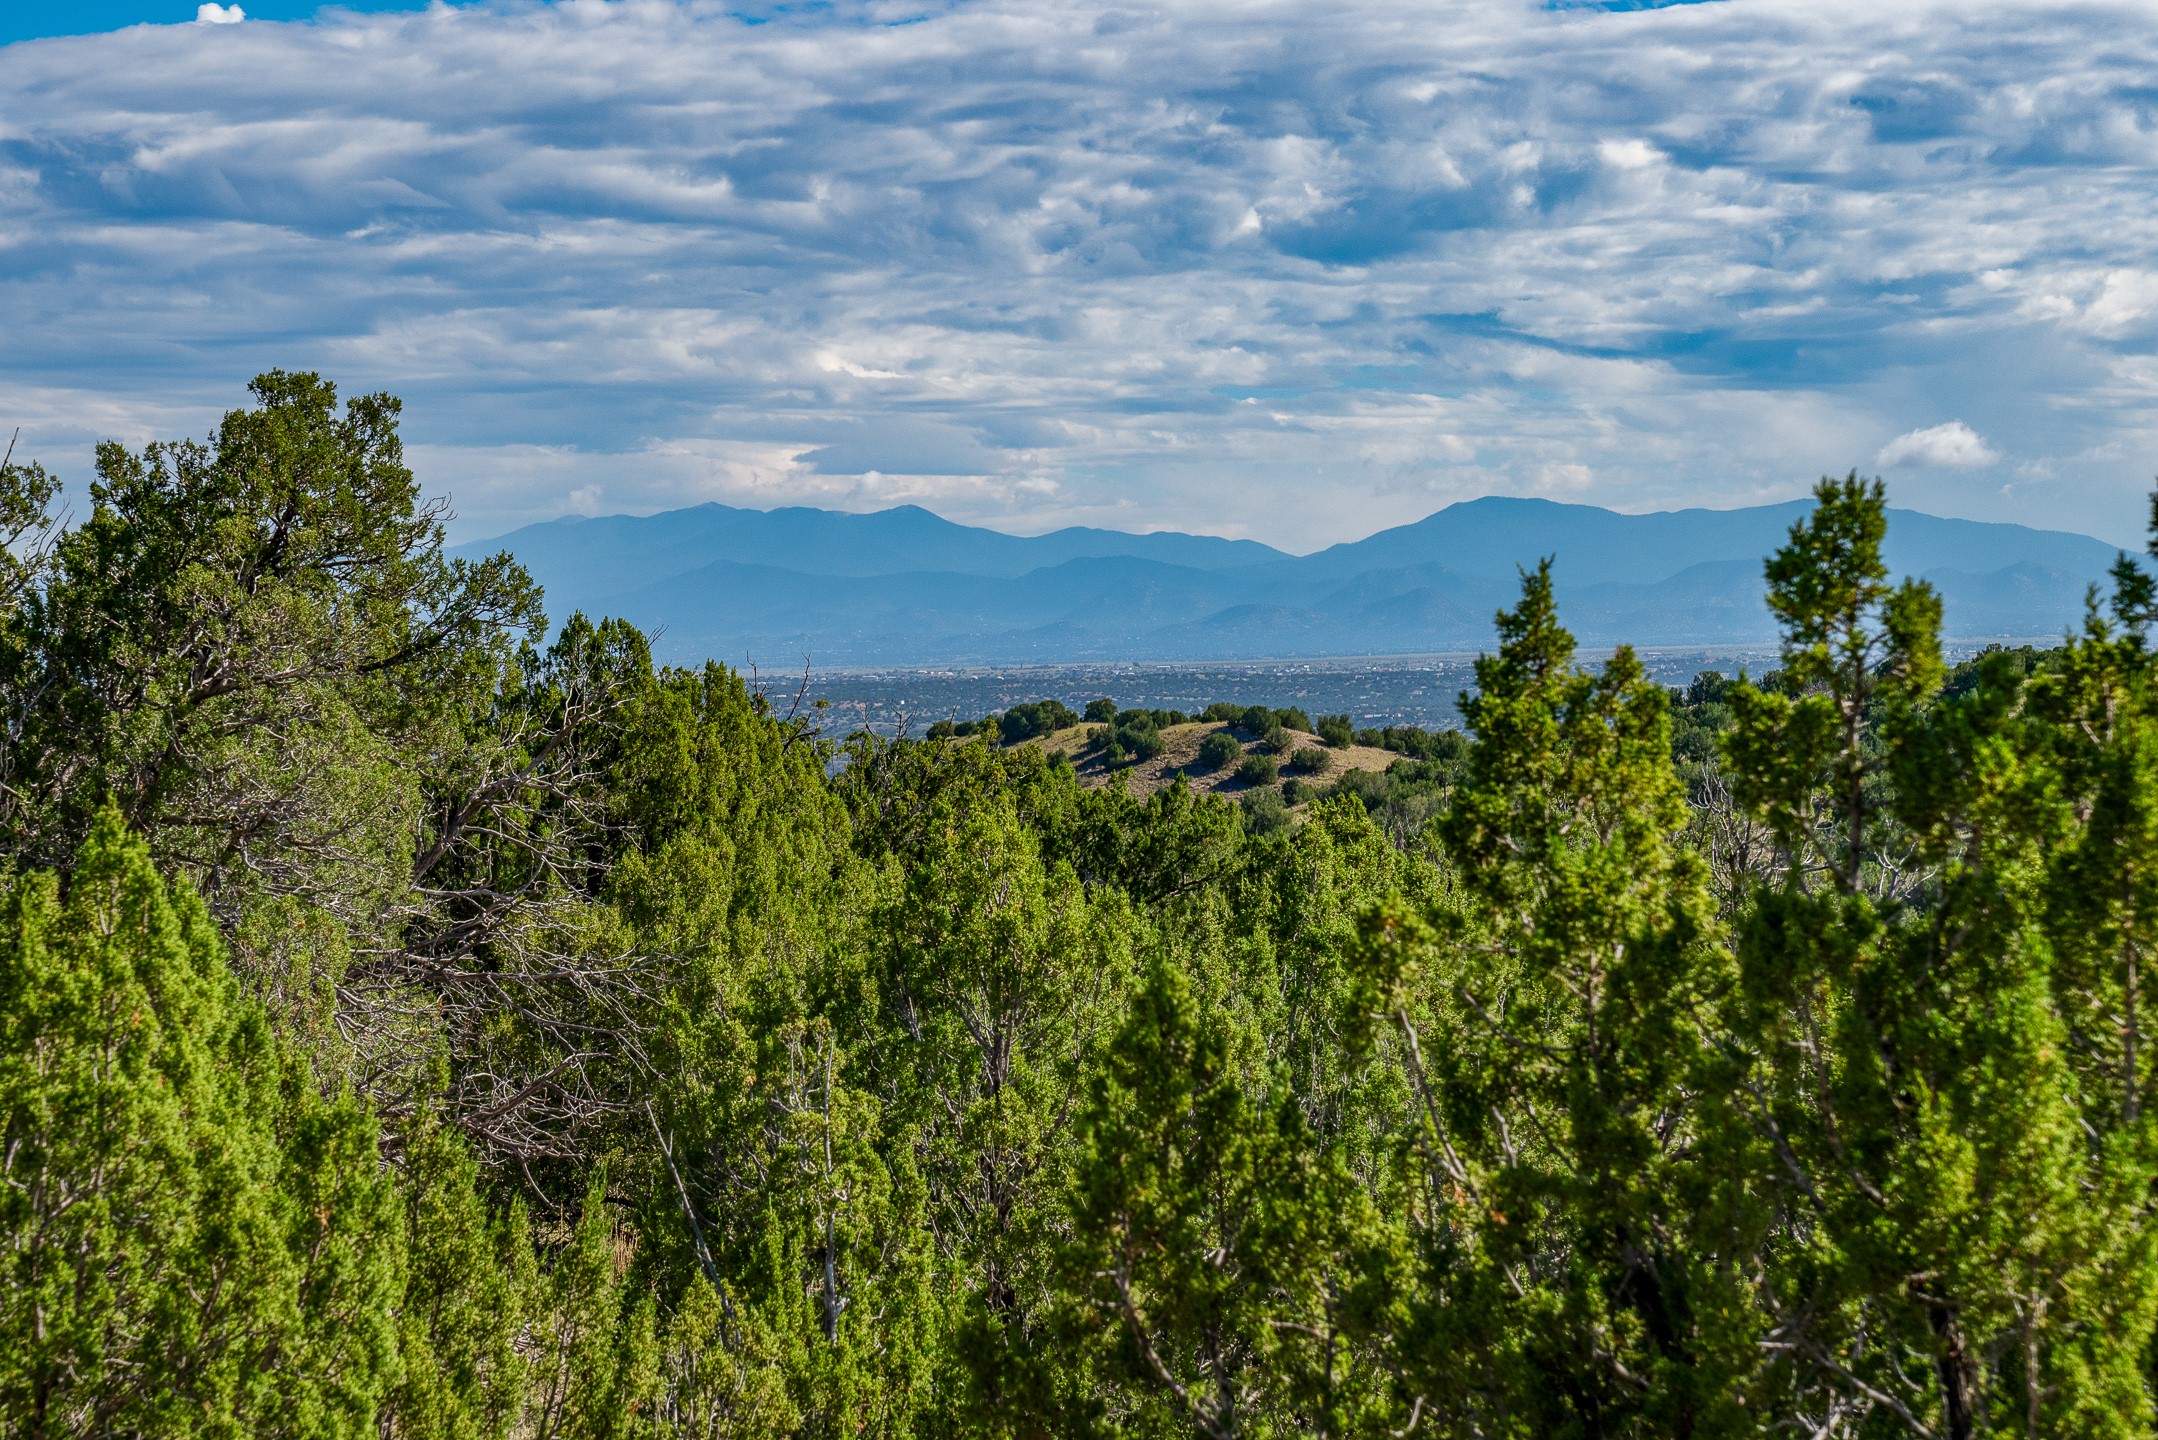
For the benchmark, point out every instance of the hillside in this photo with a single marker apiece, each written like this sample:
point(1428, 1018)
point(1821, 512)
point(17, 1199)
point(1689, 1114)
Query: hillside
point(1180, 760)
point(905, 587)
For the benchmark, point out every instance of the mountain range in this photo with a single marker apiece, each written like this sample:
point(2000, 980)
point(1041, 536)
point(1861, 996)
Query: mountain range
point(907, 587)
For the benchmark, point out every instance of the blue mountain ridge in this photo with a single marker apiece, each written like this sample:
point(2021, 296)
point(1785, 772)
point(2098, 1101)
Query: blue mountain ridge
point(907, 587)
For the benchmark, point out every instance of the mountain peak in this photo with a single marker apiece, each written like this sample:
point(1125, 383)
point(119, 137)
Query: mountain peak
point(905, 585)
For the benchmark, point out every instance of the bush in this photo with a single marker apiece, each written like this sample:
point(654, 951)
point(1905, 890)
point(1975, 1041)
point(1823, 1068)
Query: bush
point(1143, 744)
point(1277, 740)
point(1416, 742)
point(1112, 750)
point(1259, 770)
point(1264, 812)
point(1043, 717)
point(1219, 749)
point(1311, 760)
point(1298, 792)
point(1256, 720)
point(1134, 736)
point(1293, 717)
point(1102, 711)
point(1337, 730)
point(1223, 712)
point(1155, 718)
point(943, 730)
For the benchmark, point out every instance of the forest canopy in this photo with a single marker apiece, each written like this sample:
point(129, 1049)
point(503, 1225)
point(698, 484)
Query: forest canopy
point(418, 1019)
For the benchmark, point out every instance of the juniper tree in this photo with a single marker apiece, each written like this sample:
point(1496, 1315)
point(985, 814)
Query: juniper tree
point(1964, 1239)
point(197, 1243)
point(1579, 1270)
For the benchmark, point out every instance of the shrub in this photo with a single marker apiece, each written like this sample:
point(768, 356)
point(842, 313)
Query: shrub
point(1155, 718)
point(1256, 720)
point(1259, 770)
point(1043, 717)
point(1223, 712)
point(1337, 730)
point(1264, 811)
point(943, 730)
point(1298, 792)
point(1102, 711)
point(1219, 749)
point(1134, 736)
point(1293, 717)
point(1143, 744)
point(1311, 760)
point(1277, 740)
point(1416, 742)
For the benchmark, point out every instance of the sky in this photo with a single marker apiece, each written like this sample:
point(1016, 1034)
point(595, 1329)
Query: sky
point(1290, 271)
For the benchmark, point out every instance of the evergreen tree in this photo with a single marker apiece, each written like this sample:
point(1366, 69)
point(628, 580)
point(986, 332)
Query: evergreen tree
point(470, 1291)
point(1965, 1243)
point(198, 1243)
point(1207, 1232)
point(1577, 1276)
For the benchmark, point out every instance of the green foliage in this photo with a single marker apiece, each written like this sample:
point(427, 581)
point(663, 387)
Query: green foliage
point(1973, 1261)
point(1135, 736)
point(1204, 1227)
point(1156, 718)
point(601, 1333)
point(1338, 731)
point(1265, 810)
point(1043, 717)
point(1444, 746)
point(600, 1053)
point(470, 1288)
point(1219, 750)
point(197, 1243)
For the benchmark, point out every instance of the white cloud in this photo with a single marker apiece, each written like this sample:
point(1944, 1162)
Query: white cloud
point(1025, 259)
point(219, 15)
point(1954, 446)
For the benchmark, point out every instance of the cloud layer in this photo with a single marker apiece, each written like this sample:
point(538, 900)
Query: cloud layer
point(1273, 269)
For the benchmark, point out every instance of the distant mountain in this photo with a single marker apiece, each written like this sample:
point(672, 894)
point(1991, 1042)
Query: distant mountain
point(586, 563)
point(905, 586)
point(1594, 546)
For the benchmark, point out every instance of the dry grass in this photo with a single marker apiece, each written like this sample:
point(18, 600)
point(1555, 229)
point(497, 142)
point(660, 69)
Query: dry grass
point(1180, 756)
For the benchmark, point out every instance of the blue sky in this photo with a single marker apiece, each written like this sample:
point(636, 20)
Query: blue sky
point(1269, 269)
point(24, 20)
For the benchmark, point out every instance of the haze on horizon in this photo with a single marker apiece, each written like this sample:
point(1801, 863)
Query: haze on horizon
point(1253, 269)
